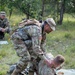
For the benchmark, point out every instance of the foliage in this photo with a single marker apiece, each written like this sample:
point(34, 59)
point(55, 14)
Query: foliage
point(70, 6)
point(39, 8)
point(3, 4)
point(28, 7)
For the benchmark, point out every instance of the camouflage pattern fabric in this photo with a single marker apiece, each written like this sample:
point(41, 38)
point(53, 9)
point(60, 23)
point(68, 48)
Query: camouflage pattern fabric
point(43, 42)
point(31, 33)
point(25, 49)
point(28, 22)
point(4, 24)
point(44, 69)
point(21, 51)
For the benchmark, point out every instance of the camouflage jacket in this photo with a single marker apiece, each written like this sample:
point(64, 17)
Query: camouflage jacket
point(45, 70)
point(32, 36)
point(5, 24)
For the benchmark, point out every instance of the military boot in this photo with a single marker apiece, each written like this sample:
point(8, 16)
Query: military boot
point(11, 69)
point(15, 72)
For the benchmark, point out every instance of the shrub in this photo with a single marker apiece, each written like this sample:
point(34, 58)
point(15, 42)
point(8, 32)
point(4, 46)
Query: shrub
point(68, 35)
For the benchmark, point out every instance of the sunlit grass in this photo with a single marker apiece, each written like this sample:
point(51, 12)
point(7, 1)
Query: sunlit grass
point(69, 17)
point(7, 57)
point(15, 20)
point(62, 41)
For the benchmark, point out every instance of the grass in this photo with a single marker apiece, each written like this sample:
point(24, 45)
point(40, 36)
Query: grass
point(7, 57)
point(61, 41)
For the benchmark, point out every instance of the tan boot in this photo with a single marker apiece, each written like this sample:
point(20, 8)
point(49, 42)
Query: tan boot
point(15, 72)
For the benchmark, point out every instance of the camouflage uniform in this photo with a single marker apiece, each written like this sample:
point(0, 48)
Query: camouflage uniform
point(44, 69)
point(4, 23)
point(27, 41)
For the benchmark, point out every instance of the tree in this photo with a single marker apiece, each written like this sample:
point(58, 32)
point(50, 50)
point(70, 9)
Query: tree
point(28, 7)
point(3, 4)
point(40, 8)
point(61, 11)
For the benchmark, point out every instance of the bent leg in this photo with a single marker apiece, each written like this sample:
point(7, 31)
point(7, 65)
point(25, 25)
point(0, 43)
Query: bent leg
point(22, 52)
point(22, 64)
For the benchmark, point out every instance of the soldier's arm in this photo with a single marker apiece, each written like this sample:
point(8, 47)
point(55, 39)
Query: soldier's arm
point(36, 42)
point(43, 42)
point(43, 46)
point(58, 68)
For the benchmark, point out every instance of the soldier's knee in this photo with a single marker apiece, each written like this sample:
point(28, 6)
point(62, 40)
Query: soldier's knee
point(11, 69)
point(21, 65)
point(25, 59)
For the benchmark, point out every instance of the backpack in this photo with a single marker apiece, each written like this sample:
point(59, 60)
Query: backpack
point(27, 22)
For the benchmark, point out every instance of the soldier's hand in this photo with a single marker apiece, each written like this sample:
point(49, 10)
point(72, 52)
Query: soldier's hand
point(3, 30)
point(48, 62)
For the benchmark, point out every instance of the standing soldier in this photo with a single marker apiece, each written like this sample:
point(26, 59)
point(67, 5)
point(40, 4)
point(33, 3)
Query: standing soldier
point(29, 42)
point(4, 25)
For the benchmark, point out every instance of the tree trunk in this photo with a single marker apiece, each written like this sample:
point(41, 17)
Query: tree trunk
point(28, 13)
point(62, 9)
point(27, 16)
point(42, 13)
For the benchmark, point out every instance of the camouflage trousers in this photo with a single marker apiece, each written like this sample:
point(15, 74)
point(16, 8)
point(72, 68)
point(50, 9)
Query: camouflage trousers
point(21, 51)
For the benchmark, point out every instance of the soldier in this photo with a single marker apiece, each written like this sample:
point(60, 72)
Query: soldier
point(4, 25)
point(56, 62)
point(29, 42)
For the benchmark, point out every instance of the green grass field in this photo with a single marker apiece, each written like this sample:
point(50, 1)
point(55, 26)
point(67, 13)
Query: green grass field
point(61, 41)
